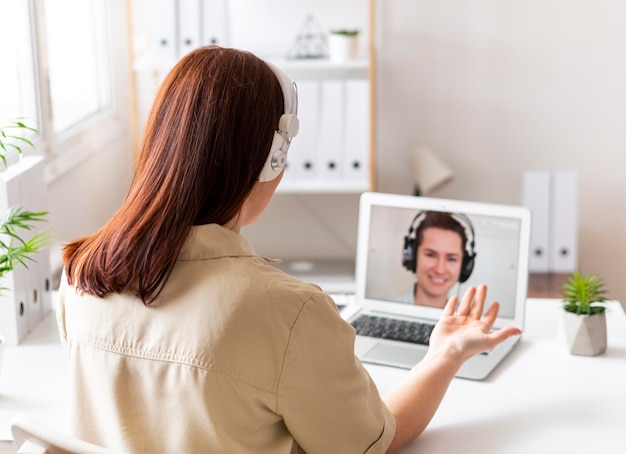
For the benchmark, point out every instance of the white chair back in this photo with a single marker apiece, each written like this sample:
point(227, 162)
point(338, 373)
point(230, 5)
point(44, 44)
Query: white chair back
point(33, 437)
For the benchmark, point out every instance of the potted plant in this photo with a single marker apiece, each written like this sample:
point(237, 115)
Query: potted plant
point(343, 44)
point(16, 223)
point(584, 314)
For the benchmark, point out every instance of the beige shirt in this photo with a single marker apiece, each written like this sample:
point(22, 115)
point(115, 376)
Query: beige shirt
point(234, 356)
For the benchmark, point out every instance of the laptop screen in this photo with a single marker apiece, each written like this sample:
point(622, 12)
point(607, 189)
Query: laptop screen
point(418, 251)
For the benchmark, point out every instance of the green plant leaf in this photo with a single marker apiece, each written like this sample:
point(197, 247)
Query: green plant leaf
point(14, 142)
point(345, 32)
point(580, 292)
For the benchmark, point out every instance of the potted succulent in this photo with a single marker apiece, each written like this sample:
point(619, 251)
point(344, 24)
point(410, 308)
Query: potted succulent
point(584, 314)
point(16, 222)
point(343, 44)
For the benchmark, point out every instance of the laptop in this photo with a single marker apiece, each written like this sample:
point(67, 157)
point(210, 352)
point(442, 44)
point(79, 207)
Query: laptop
point(496, 254)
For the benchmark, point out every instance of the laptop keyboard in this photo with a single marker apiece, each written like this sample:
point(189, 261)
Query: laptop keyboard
point(393, 329)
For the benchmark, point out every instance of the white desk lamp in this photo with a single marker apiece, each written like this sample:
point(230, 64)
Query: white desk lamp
point(429, 170)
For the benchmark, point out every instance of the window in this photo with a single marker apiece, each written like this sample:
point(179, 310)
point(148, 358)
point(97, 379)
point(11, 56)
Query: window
point(80, 82)
point(18, 87)
point(68, 71)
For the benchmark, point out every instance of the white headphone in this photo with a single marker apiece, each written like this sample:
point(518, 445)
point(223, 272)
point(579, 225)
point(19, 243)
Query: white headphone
point(288, 127)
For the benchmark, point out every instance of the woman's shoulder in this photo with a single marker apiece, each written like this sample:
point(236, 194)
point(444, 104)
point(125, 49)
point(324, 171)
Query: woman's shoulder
point(277, 280)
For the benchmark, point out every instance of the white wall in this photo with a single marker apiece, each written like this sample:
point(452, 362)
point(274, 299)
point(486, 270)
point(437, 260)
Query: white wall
point(499, 87)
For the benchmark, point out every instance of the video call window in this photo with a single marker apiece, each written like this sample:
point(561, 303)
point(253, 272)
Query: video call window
point(492, 248)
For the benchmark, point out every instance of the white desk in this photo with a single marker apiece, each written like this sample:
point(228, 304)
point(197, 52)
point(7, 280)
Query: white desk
point(540, 399)
point(33, 379)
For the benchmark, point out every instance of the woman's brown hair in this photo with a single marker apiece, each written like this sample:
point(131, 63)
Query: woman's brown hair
point(205, 143)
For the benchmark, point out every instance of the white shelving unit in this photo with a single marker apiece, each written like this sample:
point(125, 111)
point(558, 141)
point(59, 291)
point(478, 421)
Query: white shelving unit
point(332, 152)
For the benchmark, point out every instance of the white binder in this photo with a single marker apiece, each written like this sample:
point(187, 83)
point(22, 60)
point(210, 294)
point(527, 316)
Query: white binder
point(189, 22)
point(215, 22)
point(164, 32)
point(552, 197)
point(39, 278)
point(331, 131)
point(303, 148)
point(536, 196)
point(14, 323)
point(563, 252)
point(356, 146)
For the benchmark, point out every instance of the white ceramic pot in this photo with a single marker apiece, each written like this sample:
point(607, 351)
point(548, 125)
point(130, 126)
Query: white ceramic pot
point(585, 334)
point(342, 47)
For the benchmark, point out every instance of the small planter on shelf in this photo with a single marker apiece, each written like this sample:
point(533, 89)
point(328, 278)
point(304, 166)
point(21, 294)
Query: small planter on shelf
point(584, 314)
point(343, 45)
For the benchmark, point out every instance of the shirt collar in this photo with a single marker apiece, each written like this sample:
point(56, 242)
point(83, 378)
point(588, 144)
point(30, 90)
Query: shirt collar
point(214, 241)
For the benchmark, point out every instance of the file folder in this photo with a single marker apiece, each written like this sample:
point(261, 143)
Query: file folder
point(356, 147)
point(331, 132)
point(536, 196)
point(563, 252)
point(189, 22)
point(14, 322)
point(301, 163)
point(215, 22)
point(38, 278)
point(164, 31)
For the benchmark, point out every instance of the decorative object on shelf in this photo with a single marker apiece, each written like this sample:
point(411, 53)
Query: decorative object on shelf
point(18, 244)
point(310, 42)
point(584, 314)
point(343, 45)
point(429, 170)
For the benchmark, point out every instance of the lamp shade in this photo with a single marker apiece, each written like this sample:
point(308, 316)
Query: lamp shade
point(429, 171)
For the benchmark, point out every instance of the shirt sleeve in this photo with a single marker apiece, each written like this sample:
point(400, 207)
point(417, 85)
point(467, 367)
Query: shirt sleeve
point(326, 397)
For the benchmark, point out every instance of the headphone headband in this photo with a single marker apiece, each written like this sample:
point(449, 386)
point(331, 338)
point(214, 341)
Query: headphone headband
point(288, 127)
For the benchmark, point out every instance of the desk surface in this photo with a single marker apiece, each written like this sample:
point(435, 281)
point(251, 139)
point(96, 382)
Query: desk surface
point(540, 399)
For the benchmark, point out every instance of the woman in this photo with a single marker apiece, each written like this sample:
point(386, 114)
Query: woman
point(181, 339)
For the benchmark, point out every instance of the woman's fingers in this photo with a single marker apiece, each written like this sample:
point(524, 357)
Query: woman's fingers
point(478, 303)
point(450, 306)
point(466, 302)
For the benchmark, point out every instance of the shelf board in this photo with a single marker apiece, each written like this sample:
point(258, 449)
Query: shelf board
point(323, 187)
point(313, 69)
point(319, 63)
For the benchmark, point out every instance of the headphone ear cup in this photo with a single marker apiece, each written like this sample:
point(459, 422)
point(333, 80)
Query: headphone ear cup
point(288, 127)
point(276, 159)
point(409, 259)
point(467, 266)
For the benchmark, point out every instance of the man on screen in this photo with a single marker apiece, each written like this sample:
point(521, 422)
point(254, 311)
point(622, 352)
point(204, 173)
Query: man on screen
point(436, 250)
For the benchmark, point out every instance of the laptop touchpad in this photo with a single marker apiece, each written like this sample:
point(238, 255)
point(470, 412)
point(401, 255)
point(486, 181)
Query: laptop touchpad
point(398, 355)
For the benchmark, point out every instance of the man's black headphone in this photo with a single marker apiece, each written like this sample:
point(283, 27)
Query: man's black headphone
point(409, 251)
